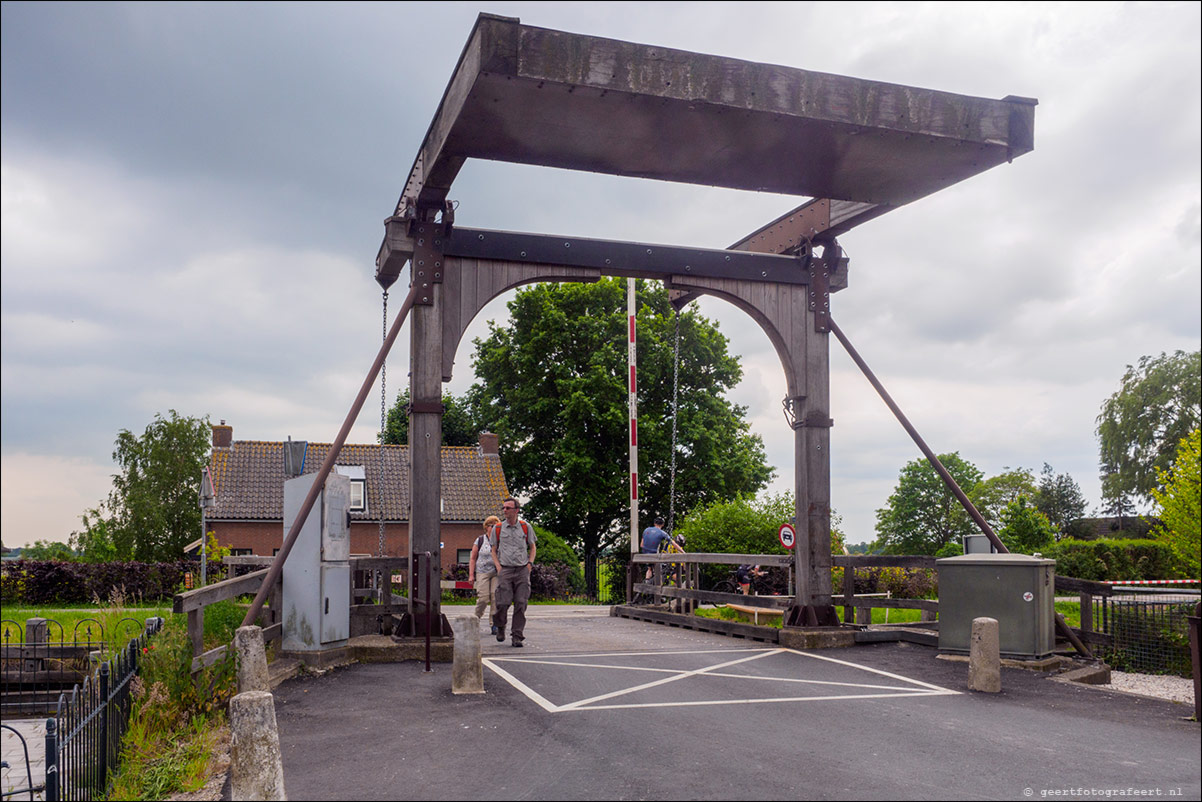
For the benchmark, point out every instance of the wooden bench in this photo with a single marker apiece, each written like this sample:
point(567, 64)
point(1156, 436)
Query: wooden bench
point(755, 612)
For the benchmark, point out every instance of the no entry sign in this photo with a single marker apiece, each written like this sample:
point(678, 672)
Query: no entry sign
point(788, 535)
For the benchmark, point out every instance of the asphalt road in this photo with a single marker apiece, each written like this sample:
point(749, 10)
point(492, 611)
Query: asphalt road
point(606, 708)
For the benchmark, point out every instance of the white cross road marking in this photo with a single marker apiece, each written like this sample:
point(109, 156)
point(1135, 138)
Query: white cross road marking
point(865, 690)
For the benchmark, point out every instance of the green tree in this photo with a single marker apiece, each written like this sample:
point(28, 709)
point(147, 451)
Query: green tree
point(746, 525)
point(154, 509)
point(48, 550)
point(1158, 403)
point(1060, 499)
point(552, 385)
point(1024, 529)
point(991, 496)
point(94, 543)
point(1180, 505)
point(458, 426)
point(923, 514)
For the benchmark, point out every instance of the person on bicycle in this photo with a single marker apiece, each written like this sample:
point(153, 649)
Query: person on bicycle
point(654, 538)
point(745, 574)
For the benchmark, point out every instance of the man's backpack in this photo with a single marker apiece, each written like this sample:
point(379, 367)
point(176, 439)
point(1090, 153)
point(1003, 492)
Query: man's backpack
point(525, 531)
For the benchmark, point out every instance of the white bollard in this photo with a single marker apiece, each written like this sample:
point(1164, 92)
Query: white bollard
point(467, 669)
point(984, 657)
point(256, 767)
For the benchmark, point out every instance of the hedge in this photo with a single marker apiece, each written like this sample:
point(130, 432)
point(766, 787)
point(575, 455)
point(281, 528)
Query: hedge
point(43, 582)
point(1100, 560)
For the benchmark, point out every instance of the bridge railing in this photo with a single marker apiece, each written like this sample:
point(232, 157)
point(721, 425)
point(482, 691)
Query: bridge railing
point(371, 601)
point(676, 577)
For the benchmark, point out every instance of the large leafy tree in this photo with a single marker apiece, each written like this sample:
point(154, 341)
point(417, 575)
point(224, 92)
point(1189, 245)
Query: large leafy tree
point(1180, 504)
point(1139, 427)
point(1060, 499)
point(458, 427)
point(1025, 529)
point(153, 505)
point(552, 384)
point(923, 514)
point(993, 495)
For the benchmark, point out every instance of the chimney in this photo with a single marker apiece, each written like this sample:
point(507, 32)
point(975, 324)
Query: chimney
point(490, 444)
point(223, 436)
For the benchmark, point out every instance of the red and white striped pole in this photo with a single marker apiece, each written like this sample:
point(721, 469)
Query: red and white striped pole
point(634, 421)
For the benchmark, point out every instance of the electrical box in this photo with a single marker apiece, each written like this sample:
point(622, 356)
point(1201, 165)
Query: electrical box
point(317, 575)
point(1016, 589)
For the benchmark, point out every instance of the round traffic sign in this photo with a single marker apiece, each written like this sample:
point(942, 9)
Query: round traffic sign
point(788, 535)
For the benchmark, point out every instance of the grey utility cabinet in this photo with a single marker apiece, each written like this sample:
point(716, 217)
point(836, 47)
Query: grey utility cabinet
point(1016, 589)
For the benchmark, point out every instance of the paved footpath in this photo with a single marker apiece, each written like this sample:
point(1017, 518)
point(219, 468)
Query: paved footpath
point(13, 776)
point(606, 708)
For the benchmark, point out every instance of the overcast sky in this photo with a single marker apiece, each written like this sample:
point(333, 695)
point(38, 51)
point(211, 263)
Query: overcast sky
point(193, 198)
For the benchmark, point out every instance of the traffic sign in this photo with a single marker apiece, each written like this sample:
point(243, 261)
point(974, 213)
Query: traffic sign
point(788, 535)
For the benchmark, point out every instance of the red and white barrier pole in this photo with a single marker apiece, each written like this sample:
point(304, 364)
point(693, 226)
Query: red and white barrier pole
point(634, 420)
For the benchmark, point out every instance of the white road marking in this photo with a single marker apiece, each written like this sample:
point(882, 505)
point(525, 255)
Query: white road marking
point(917, 687)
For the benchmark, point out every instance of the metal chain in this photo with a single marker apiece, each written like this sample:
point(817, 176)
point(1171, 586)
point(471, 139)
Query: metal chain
point(675, 397)
point(383, 422)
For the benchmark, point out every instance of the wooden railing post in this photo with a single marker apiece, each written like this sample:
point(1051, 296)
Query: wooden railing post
point(196, 630)
point(1086, 612)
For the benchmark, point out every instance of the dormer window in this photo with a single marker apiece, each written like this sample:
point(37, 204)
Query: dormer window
point(358, 476)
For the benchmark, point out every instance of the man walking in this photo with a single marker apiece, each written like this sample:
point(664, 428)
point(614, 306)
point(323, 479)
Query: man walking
point(513, 549)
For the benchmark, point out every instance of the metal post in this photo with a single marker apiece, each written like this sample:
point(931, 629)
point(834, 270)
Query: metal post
point(52, 760)
point(102, 772)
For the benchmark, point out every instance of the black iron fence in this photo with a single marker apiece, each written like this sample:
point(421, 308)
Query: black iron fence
point(39, 663)
point(83, 736)
point(83, 740)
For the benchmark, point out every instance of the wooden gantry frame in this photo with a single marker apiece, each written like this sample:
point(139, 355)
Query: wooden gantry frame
point(536, 96)
point(854, 148)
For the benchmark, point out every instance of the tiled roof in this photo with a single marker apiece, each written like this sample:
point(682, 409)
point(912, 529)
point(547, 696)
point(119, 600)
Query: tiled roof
point(248, 479)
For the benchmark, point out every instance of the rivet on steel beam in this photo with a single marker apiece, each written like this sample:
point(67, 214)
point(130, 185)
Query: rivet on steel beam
point(437, 264)
point(480, 236)
point(648, 250)
point(567, 245)
point(523, 254)
point(728, 258)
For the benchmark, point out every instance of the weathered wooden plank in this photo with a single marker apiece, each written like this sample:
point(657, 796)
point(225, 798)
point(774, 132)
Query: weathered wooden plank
point(1070, 584)
point(767, 634)
point(713, 597)
point(715, 559)
point(48, 651)
point(248, 559)
point(273, 632)
point(220, 591)
point(883, 561)
point(208, 658)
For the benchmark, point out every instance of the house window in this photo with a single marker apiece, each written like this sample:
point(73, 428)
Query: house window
point(358, 477)
point(463, 556)
point(241, 552)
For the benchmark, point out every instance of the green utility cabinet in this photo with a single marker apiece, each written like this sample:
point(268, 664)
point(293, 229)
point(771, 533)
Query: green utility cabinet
point(1016, 589)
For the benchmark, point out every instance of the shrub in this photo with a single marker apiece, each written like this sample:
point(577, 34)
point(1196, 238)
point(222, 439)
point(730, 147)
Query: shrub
point(553, 551)
point(1100, 560)
point(47, 582)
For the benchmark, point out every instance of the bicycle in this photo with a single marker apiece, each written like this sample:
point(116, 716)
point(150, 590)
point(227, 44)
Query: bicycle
point(760, 586)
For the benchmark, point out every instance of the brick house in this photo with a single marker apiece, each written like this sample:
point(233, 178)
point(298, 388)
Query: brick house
point(248, 482)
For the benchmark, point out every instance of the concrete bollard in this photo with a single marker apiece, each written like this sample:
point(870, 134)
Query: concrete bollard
point(252, 659)
point(984, 657)
point(256, 768)
point(467, 668)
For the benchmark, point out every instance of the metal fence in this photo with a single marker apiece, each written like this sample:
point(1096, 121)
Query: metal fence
point(83, 737)
point(1148, 629)
point(40, 663)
